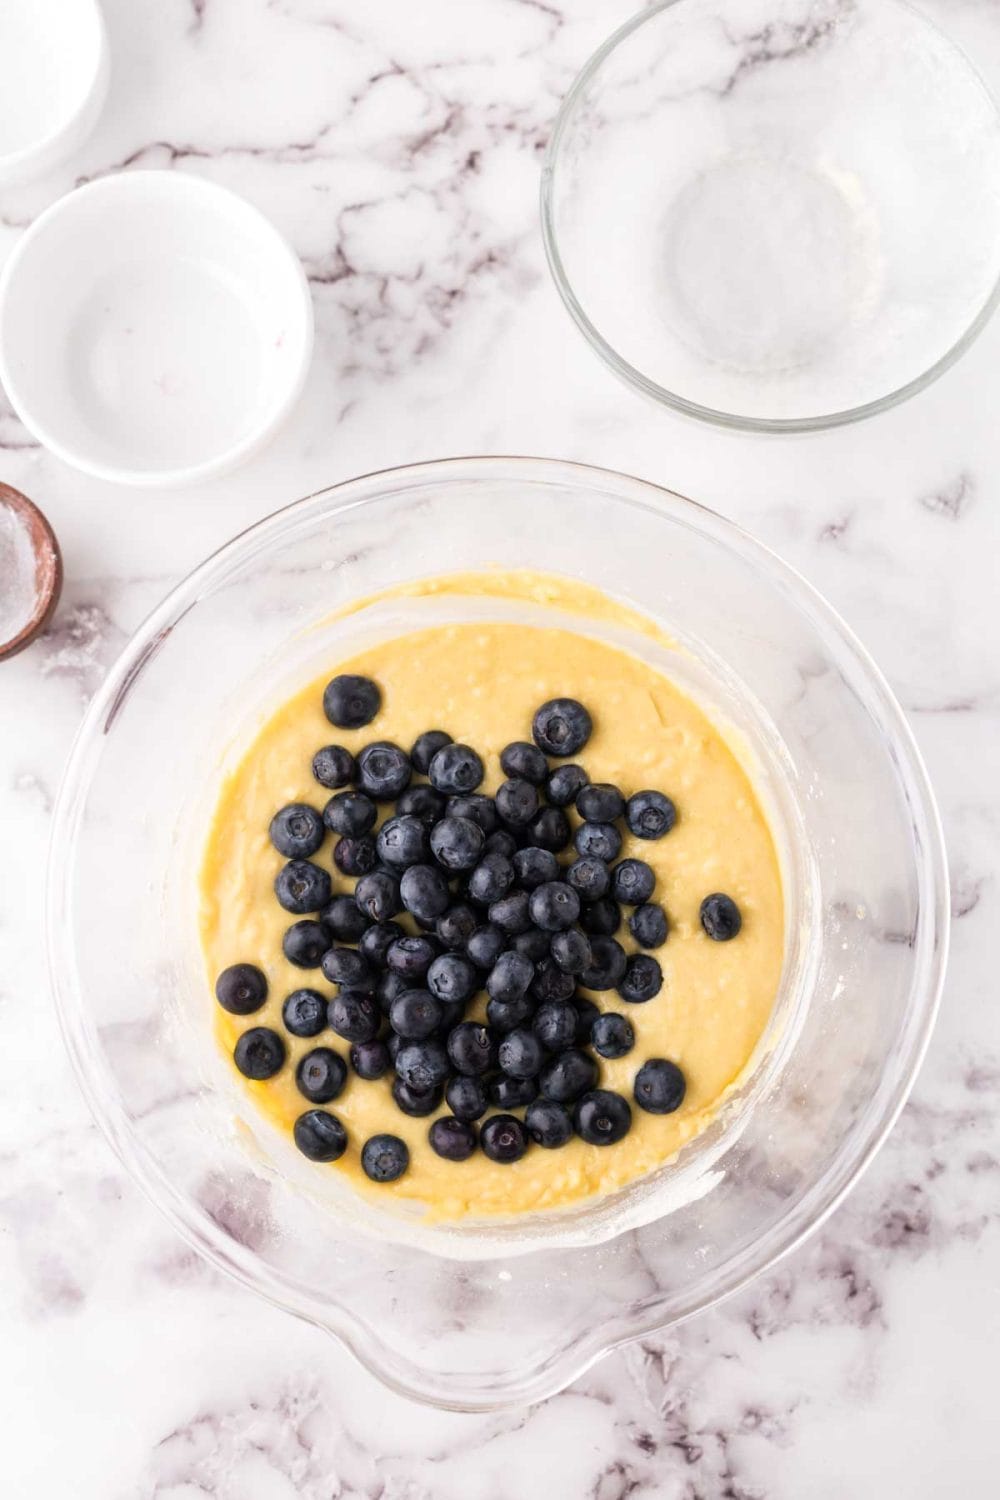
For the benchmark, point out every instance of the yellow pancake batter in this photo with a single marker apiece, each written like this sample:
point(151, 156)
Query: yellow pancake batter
point(482, 683)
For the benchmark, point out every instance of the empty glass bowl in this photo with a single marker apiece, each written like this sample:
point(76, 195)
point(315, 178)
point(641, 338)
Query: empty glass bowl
point(483, 1315)
point(776, 214)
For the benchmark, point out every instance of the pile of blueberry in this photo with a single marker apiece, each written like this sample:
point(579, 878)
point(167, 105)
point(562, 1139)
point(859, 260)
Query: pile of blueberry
point(495, 909)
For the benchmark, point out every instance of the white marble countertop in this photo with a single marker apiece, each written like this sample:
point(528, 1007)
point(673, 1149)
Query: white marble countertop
point(398, 148)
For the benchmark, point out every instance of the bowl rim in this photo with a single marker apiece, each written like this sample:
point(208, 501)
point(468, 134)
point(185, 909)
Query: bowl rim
point(674, 400)
point(566, 1363)
point(16, 166)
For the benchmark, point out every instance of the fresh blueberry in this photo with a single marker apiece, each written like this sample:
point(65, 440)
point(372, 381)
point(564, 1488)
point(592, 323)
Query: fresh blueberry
point(549, 829)
point(415, 1015)
point(346, 966)
point(720, 917)
point(611, 1035)
point(384, 770)
point(377, 896)
point(297, 830)
point(333, 766)
point(384, 1158)
point(321, 1075)
point(589, 877)
point(241, 989)
point(601, 918)
point(548, 1123)
point(456, 769)
point(534, 866)
point(304, 943)
point(370, 1060)
point(376, 941)
point(510, 977)
point(600, 802)
point(350, 813)
point(418, 1102)
point(551, 982)
point(568, 1075)
point(402, 841)
point(554, 906)
point(320, 1135)
point(586, 1014)
point(471, 1048)
point(608, 967)
point(512, 1093)
point(524, 762)
point(598, 841)
point(517, 802)
point(490, 880)
point(501, 841)
point(350, 702)
point(650, 815)
point(304, 1013)
point(411, 957)
point(643, 978)
point(520, 1054)
point(422, 1065)
point(466, 1097)
point(259, 1053)
point(632, 882)
point(452, 978)
point(421, 802)
point(424, 891)
point(659, 1086)
point(555, 1025)
point(455, 926)
point(503, 1138)
point(457, 843)
point(533, 944)
point(511, 912)
point(389, 988)
point(571, 951)
point(355, 856)
point(564, 784)
point(485, 945)
point(354, 1015)
point(451, 1138)
point(479, 808)
point(426, 746)
point(648, 925)
point(344, 919)
point(561, 727)
point(505, 1015)
point(601, 1117)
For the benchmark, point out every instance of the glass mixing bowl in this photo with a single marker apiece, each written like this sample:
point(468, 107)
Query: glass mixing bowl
point(479, 1316)
point(776, 214)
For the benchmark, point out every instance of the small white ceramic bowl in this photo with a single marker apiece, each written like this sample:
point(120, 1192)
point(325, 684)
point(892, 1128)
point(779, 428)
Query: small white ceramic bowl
point(53, 81)
point(154, 328)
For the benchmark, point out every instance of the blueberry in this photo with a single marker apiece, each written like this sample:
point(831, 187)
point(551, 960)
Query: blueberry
point(611, 1035)
point(304, 943)
point(490, 880)
point(389, 988)
point(376, 941)
point(241, 989)
point(304, 1013)
point(551, 983)
point(411, 956)
point(402, 841)
point(720, 917)
point(415, 1015)
point(503, 1138)
point(457, 843)
point(471, 1048)
point(505, 1015)
point(561, 727)
point(455, 926)
point(533, 944)
point(571, 951)
point(259, 1053)
point(608, 967)
point(550, 829)
point(601, 918)
point(643, 978)
point(350, 702)
point(384, 770)
point(479, 808)
point(648, 925)
point(589, 877)
point(520, 1054)
point(568, 1075)
point(456, 769)
point(418, 1102)
point(426, 746)
point(377, 896)
point(650, 815)
point(601, 1117)
point(517, 802)
point(600, 802)
point(422, 1065)
point(510, 977)
point(598, 841)
point(564, 784)
point(424, 891)
point(586, 1014)
point(659, 1086)
point(348, 967)
point(333, 766)
point(350, 813)
point(554, 906)
point(632, 882)
point(534, 866)
point(370, 1060)
point(296, 831)
point(344, 919)
point(548, 1123)
point(466, 1097)
point(354, 1015)
point(485, 945)
point(355, 856)
point(555, 1025)
point(511, 912)
point(452, 978)
point(421, 802)
point(501, 841)
point(384, 1158)
point(524, 762)
point(512, 1093)
point(321, 1075)
point(320, 1135)
point(453, 1139)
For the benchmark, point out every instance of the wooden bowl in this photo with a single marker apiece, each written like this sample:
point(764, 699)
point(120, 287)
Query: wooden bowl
point(48, 569)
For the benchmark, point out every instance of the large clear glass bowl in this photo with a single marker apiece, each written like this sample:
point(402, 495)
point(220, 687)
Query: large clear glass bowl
point(486, 1315)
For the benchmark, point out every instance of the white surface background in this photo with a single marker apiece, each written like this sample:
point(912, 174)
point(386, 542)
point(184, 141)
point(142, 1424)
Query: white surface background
point(398, 148)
